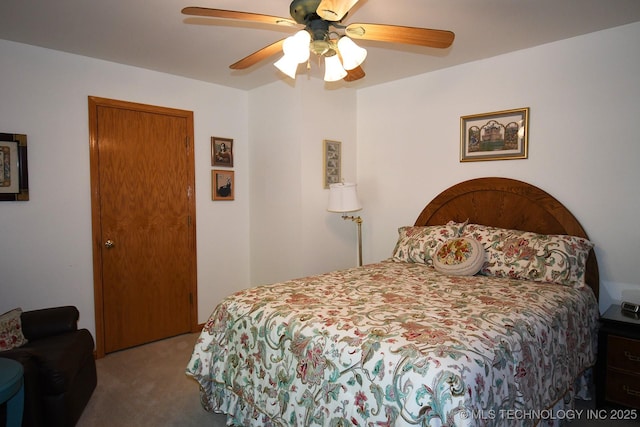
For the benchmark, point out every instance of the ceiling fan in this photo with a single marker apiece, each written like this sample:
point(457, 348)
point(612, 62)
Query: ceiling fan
point(324, 35)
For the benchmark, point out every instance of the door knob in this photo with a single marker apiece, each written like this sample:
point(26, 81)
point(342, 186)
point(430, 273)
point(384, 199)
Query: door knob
point(109, 244)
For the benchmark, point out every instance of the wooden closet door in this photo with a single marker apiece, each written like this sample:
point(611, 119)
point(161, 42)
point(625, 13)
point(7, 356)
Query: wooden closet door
point(144, 223)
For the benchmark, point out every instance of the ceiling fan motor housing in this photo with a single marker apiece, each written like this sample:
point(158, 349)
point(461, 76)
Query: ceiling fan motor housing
point(319, 29)
point(303, 11)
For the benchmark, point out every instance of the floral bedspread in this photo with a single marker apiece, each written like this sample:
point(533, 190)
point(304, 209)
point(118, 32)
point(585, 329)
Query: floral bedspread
point(394, 344)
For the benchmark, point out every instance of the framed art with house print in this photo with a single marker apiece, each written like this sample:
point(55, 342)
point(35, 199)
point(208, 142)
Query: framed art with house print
point(501, 135)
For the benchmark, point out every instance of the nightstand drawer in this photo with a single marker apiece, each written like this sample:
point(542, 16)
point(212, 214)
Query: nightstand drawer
point(623, 353)
point(623, 389)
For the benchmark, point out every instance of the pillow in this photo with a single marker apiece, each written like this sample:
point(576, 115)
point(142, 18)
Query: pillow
point(11, 330)
point(554, 258)
point(461, 256)
point(418, 244)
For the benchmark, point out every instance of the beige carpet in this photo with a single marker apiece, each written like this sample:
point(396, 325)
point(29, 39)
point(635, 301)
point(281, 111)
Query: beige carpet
point(146, 386)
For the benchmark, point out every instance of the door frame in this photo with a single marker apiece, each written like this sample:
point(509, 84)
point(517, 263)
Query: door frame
point(96, 222)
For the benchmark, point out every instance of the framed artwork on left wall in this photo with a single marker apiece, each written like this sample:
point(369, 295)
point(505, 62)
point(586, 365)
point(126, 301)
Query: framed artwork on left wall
point(332, 151)
point(14, 173)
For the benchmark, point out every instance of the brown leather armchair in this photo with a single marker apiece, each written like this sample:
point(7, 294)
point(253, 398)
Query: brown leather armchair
point(59, 367)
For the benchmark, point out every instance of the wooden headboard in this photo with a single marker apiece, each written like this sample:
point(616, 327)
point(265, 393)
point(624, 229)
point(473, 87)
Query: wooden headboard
point(507, 203)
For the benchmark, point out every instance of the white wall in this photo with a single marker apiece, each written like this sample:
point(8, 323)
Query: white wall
point(45, 254)
point(45, 249)
point(584, 100)
point(584, 97)
point(292, 234)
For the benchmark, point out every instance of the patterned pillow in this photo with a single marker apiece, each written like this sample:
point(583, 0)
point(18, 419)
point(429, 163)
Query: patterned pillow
point(419, 243)
point(11, 330)
point(526, 255)
point(461, 256)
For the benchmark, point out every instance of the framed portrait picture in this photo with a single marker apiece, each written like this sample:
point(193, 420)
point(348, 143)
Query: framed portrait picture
point(222, 184)
point(221, 151)
point(14, 174)
point(501, 135)
point(332, 162)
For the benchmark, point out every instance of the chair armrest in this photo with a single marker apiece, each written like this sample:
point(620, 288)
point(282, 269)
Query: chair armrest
point(47, 322)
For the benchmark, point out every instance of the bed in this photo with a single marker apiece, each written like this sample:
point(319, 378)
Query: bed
point(411, 340)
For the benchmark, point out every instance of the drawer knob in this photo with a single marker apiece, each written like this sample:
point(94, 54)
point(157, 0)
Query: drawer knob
point(631, 391)
point(631, 357)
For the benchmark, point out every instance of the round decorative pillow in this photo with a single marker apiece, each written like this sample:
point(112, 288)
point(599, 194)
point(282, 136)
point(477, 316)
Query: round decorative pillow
point(461, 256)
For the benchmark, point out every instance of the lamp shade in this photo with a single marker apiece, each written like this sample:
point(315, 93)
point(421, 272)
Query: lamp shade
point(352, 54)
point(287, 65)
point(297, 46)
point(343, 197)
point(296, 51)
point(333, 70)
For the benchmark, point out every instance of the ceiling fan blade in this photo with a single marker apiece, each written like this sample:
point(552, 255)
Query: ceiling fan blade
point(243, 16)
point(258, 56)
point(355, 74)
point(399, 34)
point(334, 10)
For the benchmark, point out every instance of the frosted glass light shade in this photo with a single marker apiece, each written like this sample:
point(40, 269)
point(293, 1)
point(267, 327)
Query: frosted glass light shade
point(296, 51)
point(343, 197)
point(297, 46)
point(333, 69)
point(352, 54)
point(287, 65)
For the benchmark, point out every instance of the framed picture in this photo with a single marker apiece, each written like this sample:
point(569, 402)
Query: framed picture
point(332, 162)
point(14, 173)
point(221, 151)
point(501, 135)
point(222, 184)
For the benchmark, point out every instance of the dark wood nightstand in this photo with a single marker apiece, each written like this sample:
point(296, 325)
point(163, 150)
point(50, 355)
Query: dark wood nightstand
point(618, 368)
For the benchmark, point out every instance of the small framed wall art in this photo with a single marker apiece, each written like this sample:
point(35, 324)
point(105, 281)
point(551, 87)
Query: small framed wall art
point(332, 162)
point(222, 184)
point(221, 151)
point(501, 135)
point(14, 173)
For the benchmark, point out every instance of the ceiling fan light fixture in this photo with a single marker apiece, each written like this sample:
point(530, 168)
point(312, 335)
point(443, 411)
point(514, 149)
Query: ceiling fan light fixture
point(352, 54)
point(340, 52)
point(333, 69)
point(320, 47)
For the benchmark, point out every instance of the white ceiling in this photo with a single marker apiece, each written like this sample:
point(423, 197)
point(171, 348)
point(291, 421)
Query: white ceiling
point(157, 36)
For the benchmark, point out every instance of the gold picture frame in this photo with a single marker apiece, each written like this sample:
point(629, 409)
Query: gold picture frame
point(222, 184)
point(332, 161)
point(500, 135)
